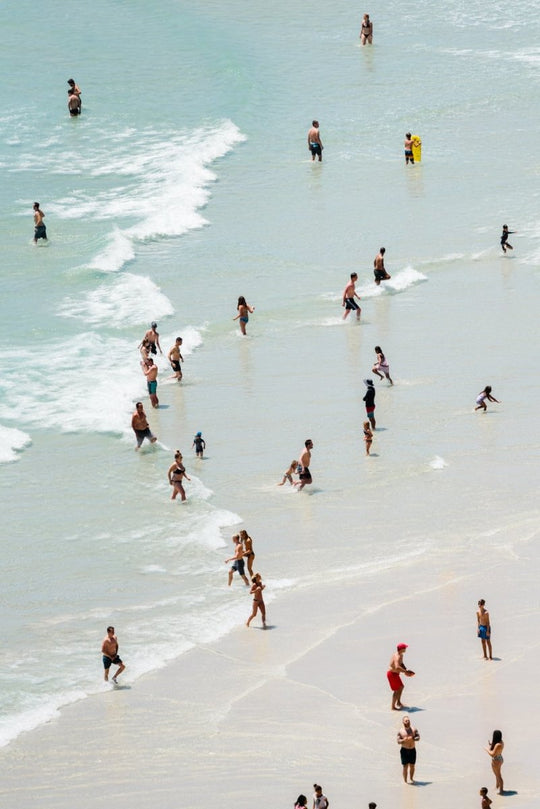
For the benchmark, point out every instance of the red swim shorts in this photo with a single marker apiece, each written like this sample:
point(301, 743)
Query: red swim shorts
point(395, 680)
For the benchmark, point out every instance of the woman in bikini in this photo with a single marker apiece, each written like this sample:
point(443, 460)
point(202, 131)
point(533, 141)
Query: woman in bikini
point(249, 553)
point(366, 33)
point(258, 604)
point(176, 474)
point(243, 313)
point(496, 746)
point(368, 436)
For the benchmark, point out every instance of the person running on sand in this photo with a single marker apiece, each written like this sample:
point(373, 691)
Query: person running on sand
point(288, 473)
point(258, 602)
point(109, 650)
point(151, 371)
point(174, 356)
point(249, 553)
point(381, 366)
point(481, 399)
point(486, 802)
point(40, 231)
point(314, 141)
point(320, 801)
point(303, 466)
point(395, 668)
point(368, 436)
point(152, 337)
point(176, 474)
point(496, 746)
point(139, 425)
point(349, 295)
point(200, 445)
point(504, 238)
point(379, 270)
point(237, 560)
point(366, 32)
point(406, 738)
point(244, 310)
point(484, 629)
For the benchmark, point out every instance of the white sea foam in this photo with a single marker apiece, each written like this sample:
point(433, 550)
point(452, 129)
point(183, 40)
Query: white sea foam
point(12, 726)
point(12, 442)
point(400, 282)
point(438, 462)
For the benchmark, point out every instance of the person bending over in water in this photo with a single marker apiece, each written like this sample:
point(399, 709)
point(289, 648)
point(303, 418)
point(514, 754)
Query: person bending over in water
point(244, 309)
point(258, 603)
point(288, 473)
point(381, 366)
point(481, 399)
point(366, 32)
point(504, 238)
point(379, 270)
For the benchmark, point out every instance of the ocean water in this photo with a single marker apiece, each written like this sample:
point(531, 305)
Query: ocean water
point(186, 183)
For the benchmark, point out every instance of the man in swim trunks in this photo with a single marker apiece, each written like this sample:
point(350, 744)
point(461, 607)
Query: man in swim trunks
point(395, 668)
point(379, 270)
point(349, 295)
point(406, 738)
point(40, 231)
point(369, 400)
point(174, 357)
point(303, 465)
point(484, 629)
point(109, 650)
point(152, 337)
point(151, 371)
point(139, 425)
point(314, 141)
point(237, 561)
point(408, 149)
point(74, 104)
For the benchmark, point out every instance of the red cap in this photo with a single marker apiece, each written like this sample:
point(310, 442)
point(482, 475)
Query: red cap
point(402, 646)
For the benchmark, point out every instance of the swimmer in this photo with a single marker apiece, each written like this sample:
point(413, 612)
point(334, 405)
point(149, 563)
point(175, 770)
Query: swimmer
point(381, 365)
point(368, 436)
point(244, 309)
point(481, 399)
point(288, 473)
point(504, 238)
point(314, 141)
point(200, 445)
point(40, 231)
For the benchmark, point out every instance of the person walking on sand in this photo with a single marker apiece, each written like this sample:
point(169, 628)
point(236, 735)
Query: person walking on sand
point(40, 231)
point(249, 553)
point(379, 270)
point(381, 366)
point(244, 310)
point(397, 667)
point(109, 650)
point(314, 141)
point(366, 32)
point(349, 295)
point(174, 356)
point(504, 238)
point(484, 629)
point(369, 401)
point(176, 475)
point(408, 144)
point(151, 371)
point(258, 602)
point(200, 445)
point(304, 464)
point(152, 337)
point(368, 436)
point(320, 801)
point(139, 425)
point(496, 746)
point(407, 737)
point(288, 473)
point(481, 399)
point(486, 802)
point(237, 561)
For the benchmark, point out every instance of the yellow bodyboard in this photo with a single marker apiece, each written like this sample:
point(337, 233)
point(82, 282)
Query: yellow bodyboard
point(417, 148)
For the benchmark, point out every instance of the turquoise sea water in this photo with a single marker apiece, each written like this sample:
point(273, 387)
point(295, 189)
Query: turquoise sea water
point(186, 183)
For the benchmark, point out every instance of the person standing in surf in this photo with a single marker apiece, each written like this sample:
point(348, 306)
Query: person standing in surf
point(349, 295)
point(109, 650)
point(40, 231)
point(258, 602)
point(152, 337)
point(379, 270)
point(174, 356)
point(366, 32)
point(244, 310)
point(504, 238)
point(409, 157)
point(303, 466)
point(151, 371)
point(314, 141)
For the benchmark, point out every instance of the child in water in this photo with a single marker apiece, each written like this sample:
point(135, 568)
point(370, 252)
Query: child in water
point(200, 444)
point(504, 238)
point(288, 473)
point(481, 399)
point(368, 436)
point(243, 313)
point(381, 366)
